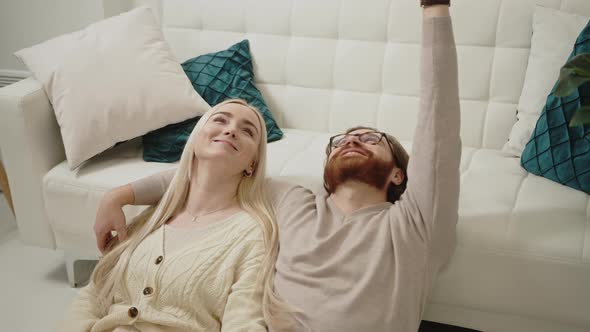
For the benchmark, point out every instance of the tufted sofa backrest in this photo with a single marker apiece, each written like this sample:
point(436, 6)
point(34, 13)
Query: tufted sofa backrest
point(326, 65)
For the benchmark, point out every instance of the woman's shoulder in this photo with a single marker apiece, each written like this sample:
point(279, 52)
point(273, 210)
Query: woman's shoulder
point(246, 226)
point(245, 235)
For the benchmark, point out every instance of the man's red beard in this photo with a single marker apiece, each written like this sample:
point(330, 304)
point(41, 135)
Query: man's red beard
point(366, 169)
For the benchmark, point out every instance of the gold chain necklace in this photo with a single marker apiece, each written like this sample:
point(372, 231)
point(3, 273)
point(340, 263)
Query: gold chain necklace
point(194, 218)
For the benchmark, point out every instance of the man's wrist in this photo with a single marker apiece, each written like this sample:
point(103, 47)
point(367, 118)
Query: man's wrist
point(120, 196)
point(436, 11)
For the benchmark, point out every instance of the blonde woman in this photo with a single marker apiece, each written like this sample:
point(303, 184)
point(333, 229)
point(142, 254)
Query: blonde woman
point(203, 258)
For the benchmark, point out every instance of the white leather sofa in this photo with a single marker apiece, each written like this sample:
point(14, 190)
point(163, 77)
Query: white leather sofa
point(523, 257)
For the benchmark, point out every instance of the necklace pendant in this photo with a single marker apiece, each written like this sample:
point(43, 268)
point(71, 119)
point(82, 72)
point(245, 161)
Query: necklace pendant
point(194, 219)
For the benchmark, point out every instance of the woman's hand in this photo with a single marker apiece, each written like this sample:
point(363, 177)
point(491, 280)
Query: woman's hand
point(110, 217)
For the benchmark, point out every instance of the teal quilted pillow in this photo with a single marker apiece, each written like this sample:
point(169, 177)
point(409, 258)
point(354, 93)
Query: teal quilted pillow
point(556, 151)
point(165, 145)
point(216, 77)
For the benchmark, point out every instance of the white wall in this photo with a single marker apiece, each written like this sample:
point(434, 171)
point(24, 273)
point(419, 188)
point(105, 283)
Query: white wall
point(25, 23)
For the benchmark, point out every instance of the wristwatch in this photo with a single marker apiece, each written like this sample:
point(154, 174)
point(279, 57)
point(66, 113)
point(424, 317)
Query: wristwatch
point(426, 3)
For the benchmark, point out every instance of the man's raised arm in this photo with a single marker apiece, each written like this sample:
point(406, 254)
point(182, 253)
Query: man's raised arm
point(430, 202)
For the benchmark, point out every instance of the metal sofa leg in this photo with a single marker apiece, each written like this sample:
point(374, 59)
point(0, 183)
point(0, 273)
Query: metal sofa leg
point(79, 268)
point(70, 260)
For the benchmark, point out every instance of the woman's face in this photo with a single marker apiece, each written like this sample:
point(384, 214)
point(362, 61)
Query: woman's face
point(230, 136)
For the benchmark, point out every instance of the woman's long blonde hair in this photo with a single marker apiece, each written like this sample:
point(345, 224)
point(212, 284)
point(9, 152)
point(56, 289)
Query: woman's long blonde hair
point(252, 197)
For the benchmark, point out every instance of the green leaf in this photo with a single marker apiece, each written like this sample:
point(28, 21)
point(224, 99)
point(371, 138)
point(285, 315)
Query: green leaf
point(568, 82)
point(573, 74)
point(580, 61)
point(581, 117)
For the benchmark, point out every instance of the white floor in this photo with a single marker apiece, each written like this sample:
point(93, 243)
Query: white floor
point(34, 291)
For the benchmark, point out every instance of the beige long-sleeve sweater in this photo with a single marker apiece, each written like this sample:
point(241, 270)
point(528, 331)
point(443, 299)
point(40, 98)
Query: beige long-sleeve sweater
point(208, 284)
point(372, 270)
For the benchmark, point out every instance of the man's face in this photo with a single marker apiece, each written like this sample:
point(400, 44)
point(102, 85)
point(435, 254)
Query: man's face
point(361, 144)
point(362, 155)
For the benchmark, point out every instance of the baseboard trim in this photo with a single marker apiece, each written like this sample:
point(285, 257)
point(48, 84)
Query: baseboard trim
point(8, 76)
point(15, 73)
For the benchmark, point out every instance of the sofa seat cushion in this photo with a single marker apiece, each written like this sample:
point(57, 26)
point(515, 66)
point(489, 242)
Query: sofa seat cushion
point(504, 207)
point(501, 205)
point(518, 233)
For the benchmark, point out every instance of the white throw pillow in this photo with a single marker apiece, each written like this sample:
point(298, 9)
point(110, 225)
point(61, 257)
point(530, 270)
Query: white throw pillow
point(114, 80)
point(554, 35)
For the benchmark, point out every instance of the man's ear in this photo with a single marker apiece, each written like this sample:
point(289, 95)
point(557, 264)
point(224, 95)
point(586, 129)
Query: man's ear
point(397, 176)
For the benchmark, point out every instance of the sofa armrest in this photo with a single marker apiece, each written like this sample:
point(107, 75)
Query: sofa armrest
point(31, 145)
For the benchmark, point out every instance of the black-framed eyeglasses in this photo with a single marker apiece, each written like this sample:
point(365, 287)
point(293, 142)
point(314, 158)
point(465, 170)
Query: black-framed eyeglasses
point(370, 137)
